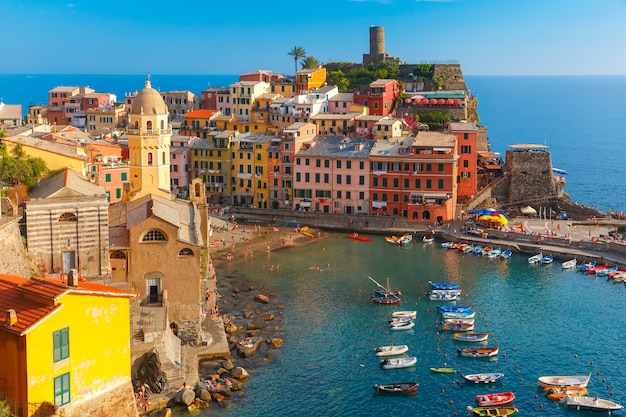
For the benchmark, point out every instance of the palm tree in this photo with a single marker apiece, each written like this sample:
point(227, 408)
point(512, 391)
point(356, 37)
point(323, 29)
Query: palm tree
point(297, 52)
point(309, 62)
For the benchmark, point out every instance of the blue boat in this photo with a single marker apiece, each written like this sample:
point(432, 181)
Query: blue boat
point(443, 286)
point(478, 250)
point(506, 254)
point(448, 309)
point(546, 260)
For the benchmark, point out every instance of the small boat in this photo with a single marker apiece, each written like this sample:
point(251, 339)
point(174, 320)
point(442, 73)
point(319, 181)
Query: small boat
point(506, 254)
point(307, 234)
point(446, 245)
point(481, 352)
point(392, 239)
point(447, 309)
point(402, 326)
point(399, 320)
point(486, 250)
point(355, 236)
point(485, 378)
point(391, 350)
point(443, 286)
point(461, 320)
point(558, 393)
point(606, 271)
point(389, 299)
point(445, 292)
point(563, 381)
point(458, 314)
point(535, 258)
point(444, 370)
point(569, 264)
point(397, 363)
point(443, 296)
point(405, 239)
point(494, 253)
point(584, 267)
point(304, 228)
point(498, 398)
point(458, 327)
point(470, 337)
point(478, 250)
point(428, 239)
point(493, 411)
point(383, 293)
point(396, 388)
point(591, 403)
point(468, 248)
point(546, 259)
point(407, 313)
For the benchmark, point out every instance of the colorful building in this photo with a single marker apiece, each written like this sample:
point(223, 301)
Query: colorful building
point(198, 123)
point(243, 95)
point(249, 173)
point(466, 138)
point(309, 79)
point(415, 178)
point(380, 97)
point(65, 346)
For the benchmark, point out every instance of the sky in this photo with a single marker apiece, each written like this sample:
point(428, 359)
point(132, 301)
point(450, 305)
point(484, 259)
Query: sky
point(487, 37)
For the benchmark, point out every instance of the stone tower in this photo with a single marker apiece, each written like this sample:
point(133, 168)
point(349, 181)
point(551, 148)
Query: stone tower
point(530, 170)
point(149, 141)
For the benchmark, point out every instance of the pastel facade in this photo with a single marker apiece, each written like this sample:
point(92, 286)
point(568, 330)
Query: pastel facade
point(106, 119)
point(179, 103)
point(335, 124)
point(310, 78)
point(340, 103)
point(365, 125)
point(466, 138)
point(381, 96)
point(198, 123)
point(388, 128)
point(250, 169)
point(332, 175)
point(216, 99)
point(65, 347)
point(180, 166)
point(243, 95)
point(285, 87)
point(111, 173)
point(261, 75)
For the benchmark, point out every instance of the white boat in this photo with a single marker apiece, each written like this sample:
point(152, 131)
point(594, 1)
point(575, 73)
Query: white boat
point(494, 253)
point(591, 403)
point(405, 239)
point(399, 320)
point(506, 254)
point(458, 314)
point(397, 363)
point(468, 248)
point(428, 239)
point(402, 326)
point(444, 296)
point(460, 320)
point(561, 381)
point(535, 258)
point(412, 314)
point(391, 350)
point(446, 245)
point(547, 259)
point(569, 264)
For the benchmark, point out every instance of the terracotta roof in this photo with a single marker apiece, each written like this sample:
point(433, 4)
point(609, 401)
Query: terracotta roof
point(30, 312)
point(200, 114)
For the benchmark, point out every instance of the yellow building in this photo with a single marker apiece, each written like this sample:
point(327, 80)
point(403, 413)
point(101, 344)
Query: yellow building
point(106, 119)
point(310, 78)
point(65, 347)
point(250, 169)
point(149, 141)
point(243, 94)
point(285, 87)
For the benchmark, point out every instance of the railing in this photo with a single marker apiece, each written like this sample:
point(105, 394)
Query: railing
point(20, 409)
point(154, 132)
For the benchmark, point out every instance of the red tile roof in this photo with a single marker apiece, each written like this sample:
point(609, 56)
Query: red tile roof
point(29, 312)
point(200, 114)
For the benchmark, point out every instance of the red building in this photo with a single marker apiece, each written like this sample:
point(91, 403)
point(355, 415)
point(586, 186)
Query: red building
point(380, 97)
point(466, 138)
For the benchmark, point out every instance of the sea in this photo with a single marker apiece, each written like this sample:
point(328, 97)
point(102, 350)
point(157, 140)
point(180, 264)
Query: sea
point(546, 321)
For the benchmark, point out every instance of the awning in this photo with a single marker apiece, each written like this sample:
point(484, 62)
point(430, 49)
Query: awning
point(492, 166)
point(305, 204)
point(379, 204)
point(528, 210)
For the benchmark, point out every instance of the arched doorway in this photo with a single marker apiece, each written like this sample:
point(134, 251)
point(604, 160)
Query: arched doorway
point(426, 215)
point(274, 204)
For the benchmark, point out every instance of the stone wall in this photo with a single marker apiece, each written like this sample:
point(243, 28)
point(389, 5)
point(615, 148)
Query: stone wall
point(119, 401)
point(14, 259)
point(531, 176)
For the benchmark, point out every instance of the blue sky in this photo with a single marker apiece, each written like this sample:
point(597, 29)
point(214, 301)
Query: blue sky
point(487, 37)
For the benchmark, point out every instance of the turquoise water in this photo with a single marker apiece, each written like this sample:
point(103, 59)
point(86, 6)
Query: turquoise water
point(546, 321)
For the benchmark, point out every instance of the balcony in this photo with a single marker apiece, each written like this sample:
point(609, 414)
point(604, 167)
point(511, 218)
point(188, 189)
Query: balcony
point(155, 133)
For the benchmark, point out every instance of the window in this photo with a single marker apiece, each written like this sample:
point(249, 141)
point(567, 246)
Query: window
point(339, 163)
point(297, 161)
point(440, 167)
point(185, 252)
point(349, 164)
point(466, 149)
point(395, 182)
point(124, 176)
point(361, 179)
point(348, 194)
point(154, 236)
point(338, 194)
point(326, 179)
point(118, 193)
point(418, 184)
point(307, 177)
point(375, 182)
point(348, 179)
point(107, 178)
point(338, 179)
point(466, 164)
point(62, 389)
point(318, 163)
point(406, 183)
point(429, 167)
point(61, 344)
point(384, 182)
point(326, 163)
point(298, 177)
point(68, 217)
point(307, 161)
point(317, 177)
point(440, 184)
point(465, 136)
point(429, 184)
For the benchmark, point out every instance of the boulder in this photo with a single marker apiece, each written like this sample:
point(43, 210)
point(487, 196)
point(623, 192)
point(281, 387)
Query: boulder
point(185, 397)
point(236, 385)
point(218, 397)
point(247, 313)
point(256, 324)
point(240, 373)
point(245, 350)
point(201, 403)
point(204, 395)
point(276, 342)
point(269, 317)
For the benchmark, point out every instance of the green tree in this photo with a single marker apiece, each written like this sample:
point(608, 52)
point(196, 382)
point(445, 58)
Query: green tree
point(423, 71)
point(339, 79)
point(309, 62)
point(4, 409)
point(19, 169)
point(298, 53)
point(434, 120)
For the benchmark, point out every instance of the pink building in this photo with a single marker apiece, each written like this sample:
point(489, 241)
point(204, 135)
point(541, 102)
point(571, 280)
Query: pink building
point(340, 103)
point(261, 75)
point(216, 99)
point(332, 175)
point(110, 172)
point(180, 171)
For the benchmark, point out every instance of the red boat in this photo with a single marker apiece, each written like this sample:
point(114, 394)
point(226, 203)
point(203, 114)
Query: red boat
point(499, 398)
point(385, 300)
point(356, 236)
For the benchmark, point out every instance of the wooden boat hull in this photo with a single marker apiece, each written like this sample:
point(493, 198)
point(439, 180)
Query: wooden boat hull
point(458, 327)
point(412, 314)
point(385, 300)
point(495, 399)
point(402, 326)
point(444, 370)
point(494, 411)
point(484, 352)
point(396, 388)
point(470, 337)
point(488, 378)
point(563, 381)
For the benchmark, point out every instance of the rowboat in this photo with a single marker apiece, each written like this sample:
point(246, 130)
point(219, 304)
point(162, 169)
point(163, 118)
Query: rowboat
point(458, 327)
point(396, 388)
point(397, 363)
point(355, 236)
point(458, 314)
point(444, 370)
point(460, 320)
point(606, 271)
point(392, 239)
point(494, 253)
point(389, 299)
point(493, 411)
point(391, 350)
point(468, 248)
point(535, 258)
point(386, 295)
point(444, 296)
point(407, 313)
point(569, 264)
point(443, 286)
point(307, 234)
point(446, 245)
point(404, 240)
point(563, 381)
point(478, 250)
point(428, 239)
point(498, 398)
point(558, 393)
point(402, 326)
point(471, 337)
point(452, 292)
point(486, 250)
point(506, 254)
point(591, 403)
point(485, 378)
point(399, 320)
point(447, 309)
point(546, 259)
point(584, 267)
point(481, 352)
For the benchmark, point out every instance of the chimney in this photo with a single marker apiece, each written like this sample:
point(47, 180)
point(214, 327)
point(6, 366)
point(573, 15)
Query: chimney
point(72, 278)
point(11, 317)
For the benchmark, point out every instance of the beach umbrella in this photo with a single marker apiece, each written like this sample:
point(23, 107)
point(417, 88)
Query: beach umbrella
point(482, 212)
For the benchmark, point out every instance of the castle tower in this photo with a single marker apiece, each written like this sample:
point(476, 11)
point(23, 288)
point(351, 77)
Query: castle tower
point(149, 140)
point(377, 41)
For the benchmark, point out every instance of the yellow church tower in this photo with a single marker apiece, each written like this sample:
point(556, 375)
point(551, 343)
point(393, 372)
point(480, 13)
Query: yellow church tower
point(149, 141)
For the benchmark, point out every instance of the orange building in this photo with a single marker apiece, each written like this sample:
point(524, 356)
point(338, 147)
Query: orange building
point(309, 79)
point(198, 123)
point(466, 138)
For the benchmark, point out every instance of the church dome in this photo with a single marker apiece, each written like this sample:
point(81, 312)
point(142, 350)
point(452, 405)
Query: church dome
point(148, 101)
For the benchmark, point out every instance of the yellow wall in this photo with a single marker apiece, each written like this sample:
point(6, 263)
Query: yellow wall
point(99, 347)
point(54, 161)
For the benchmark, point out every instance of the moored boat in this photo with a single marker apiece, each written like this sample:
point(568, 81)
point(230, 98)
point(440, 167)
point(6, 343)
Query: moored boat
point(486, 250)
point(467, 249)
point(498, 398)
point(396, 388)
point(493, 411)
point(546, 259)
point(443, 286)
point(402, 326)
point(407, 313)
point(399, 320)
point(391, 350)
point(591, 403)
point(481, 352)
point(355, 236)
point(458, 314)
point(388, 299)
point(444, 370)
point(471, 337)
point(484, 378)
point(563, 381)
point(460, 320)
point(478, 250)
point(458, 327)
point(558, 393)
point(445, 309)
point(535, 258)
point(428, 239)
point(444, 295)
point(569, 264)
point(506, 254)
point(397, 363)
point(494, 253)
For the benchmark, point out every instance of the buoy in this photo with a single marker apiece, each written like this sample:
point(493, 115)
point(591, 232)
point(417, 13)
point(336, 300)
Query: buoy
point(517, 365)
point(517, 371)
point(514, 349)
point(442, 390)
point(608, 387)
point(496, 341)
point(540, 405)
point(611, 393)
point(576, 356)
point(438, 339)
point(590, 362)
point(445, 355)
point(486, 324)
point(438, 349)
point(504, 355)
point(598, 373)
point(536, 396)
point(521, 379)
point(603, 379)
point(451, 402)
